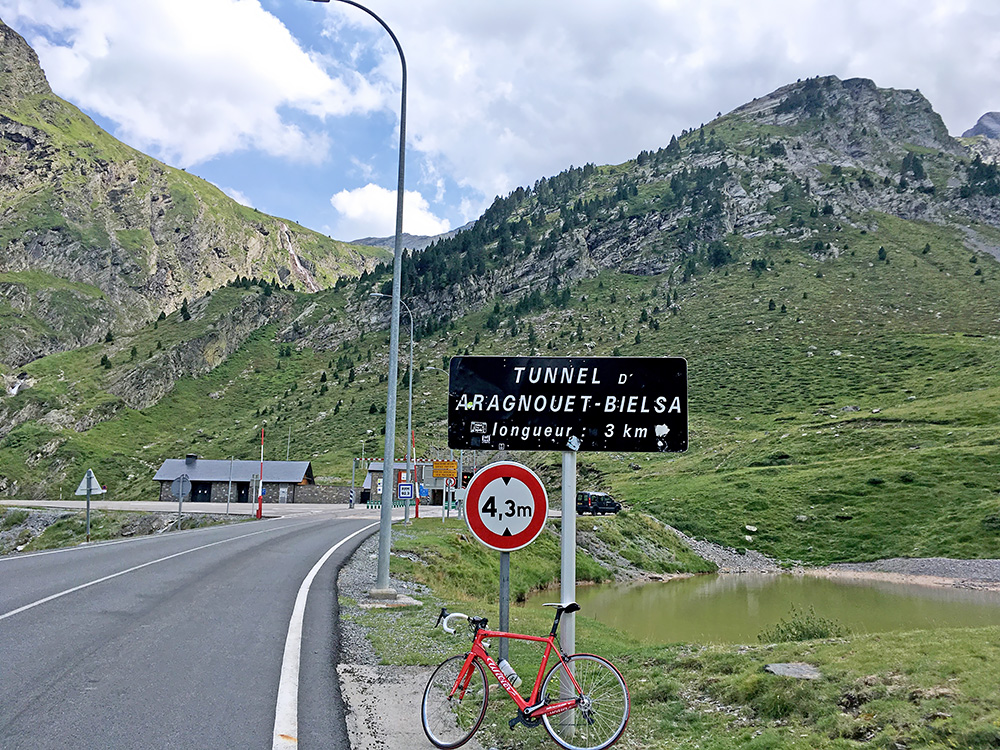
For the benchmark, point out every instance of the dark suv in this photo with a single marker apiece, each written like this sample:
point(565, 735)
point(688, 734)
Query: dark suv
point(596, 502)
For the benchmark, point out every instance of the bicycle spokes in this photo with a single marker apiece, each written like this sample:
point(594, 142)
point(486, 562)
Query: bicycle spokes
point(597, 703)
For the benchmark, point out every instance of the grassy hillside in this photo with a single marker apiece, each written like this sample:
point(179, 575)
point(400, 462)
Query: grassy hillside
point(832, 285)
point(78, 207)
point(861, 422)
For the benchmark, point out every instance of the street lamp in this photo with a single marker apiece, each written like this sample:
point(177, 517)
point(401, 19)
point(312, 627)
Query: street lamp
point(461, 454)
point(382, 590)
point(409, 412)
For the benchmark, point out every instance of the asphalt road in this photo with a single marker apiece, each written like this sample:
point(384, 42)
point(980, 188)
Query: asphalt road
point(173, 641)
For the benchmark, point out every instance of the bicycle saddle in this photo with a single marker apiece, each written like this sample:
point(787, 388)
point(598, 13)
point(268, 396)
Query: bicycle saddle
point(567, 608)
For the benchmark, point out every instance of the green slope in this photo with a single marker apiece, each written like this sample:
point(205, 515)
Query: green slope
point(842, 337)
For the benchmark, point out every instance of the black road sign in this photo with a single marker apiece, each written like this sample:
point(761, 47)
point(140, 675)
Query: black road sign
point(549, 403)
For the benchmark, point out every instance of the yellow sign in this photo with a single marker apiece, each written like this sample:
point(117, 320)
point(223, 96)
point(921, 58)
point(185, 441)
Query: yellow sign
point(446, 469)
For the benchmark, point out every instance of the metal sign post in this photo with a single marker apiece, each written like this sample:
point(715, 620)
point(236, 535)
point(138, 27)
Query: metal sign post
point(354, 468)
point(180, 488)
point(89, 486)
point(505, 509)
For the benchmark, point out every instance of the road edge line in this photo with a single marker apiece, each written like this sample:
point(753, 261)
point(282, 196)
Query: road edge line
point(286, 709)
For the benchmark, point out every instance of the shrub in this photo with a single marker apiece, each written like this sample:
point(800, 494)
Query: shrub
point(802, 626)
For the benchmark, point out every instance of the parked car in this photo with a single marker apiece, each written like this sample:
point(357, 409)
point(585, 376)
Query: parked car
point(596, 502)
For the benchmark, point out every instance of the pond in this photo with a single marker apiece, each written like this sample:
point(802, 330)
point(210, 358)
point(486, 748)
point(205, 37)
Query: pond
point(736, 608)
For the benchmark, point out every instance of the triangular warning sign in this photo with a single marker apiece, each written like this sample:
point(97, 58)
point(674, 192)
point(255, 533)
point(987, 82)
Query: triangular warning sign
point(95, 486)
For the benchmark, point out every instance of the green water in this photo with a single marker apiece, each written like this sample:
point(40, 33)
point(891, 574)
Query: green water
point(736, 608)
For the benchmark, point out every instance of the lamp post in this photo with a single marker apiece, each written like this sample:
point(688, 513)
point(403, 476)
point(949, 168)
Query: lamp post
point(409, 411)
point(382, 590)
point(458, 482)
point(355, 463)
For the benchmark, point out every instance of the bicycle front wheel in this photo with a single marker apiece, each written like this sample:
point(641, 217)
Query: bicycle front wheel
point(602, 703)
point(451, 714)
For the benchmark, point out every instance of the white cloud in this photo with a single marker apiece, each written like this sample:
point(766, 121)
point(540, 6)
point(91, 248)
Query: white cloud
point(500, 94)
point(370, 211)
point(504, 93)
point(191, 79)
point(238, 196)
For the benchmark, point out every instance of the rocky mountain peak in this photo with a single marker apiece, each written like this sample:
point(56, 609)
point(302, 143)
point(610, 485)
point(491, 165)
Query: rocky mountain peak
point(852, 114)
point(988, 125)
point(21, 75)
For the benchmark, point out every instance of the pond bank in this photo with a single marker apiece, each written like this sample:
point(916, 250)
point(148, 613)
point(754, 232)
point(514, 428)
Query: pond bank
point(983, 575)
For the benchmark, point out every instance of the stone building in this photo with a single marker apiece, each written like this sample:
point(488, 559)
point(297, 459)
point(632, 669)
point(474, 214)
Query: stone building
point(214, 481)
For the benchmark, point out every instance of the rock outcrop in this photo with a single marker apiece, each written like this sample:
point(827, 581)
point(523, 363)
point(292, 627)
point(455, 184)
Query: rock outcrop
point(987, 125)
point(81, 207)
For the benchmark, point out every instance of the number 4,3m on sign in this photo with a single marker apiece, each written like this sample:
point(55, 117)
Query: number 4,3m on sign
point(506, 506)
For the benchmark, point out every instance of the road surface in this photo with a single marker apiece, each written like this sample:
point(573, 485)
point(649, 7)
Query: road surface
point(176, 640)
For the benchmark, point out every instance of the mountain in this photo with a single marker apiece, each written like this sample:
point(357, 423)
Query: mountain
point(987, 125)
point(410, 241)
point(825, 257)
point(96, 236)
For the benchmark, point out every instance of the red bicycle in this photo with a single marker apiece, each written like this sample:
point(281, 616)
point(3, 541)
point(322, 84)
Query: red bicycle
point(583, 701)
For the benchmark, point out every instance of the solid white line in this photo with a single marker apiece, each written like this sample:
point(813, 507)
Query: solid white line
point(123, 572)
point(286, 710)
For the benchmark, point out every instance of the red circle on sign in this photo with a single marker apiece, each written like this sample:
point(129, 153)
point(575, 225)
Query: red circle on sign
point(506, 506)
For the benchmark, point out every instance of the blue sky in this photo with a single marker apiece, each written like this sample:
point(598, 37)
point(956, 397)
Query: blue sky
point(292, 106)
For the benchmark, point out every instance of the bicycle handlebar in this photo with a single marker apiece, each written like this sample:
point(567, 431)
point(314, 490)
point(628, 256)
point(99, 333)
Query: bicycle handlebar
point(444, 622)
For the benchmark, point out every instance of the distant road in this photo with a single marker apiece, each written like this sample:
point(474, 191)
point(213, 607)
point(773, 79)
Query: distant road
point(174, 640)
point(271, 510)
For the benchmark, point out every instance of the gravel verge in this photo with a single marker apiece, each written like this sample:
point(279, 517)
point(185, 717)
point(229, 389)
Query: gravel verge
point(369, 690)
point(973, 574)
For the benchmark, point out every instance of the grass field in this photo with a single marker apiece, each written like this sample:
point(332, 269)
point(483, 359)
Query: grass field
point(920, 689)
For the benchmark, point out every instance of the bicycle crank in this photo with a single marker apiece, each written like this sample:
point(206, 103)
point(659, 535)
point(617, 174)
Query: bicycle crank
point(522, 718)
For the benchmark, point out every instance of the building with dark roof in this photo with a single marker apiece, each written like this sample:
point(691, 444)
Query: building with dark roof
point(214, 481)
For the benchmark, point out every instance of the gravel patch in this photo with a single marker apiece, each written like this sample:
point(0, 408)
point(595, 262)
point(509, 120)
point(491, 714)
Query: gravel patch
point(19, 526)
point(369, 689)
point(963, 573)
point(356, 579)
point(728, 559)
point(15, 536)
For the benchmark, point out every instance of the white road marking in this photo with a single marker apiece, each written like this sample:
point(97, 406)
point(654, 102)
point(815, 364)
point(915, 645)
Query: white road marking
point(286, 710)
point(82, 586)
point(84, 546)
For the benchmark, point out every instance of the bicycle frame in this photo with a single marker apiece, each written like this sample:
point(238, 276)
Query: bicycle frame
point(529, 707)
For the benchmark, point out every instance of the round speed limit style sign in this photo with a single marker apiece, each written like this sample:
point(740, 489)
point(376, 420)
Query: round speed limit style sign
point(506, 506)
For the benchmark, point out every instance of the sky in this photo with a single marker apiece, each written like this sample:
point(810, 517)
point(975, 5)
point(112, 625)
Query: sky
point(292, 106)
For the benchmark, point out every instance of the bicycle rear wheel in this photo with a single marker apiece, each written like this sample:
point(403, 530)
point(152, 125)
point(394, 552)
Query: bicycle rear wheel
point(450, 719)
point(602, 709)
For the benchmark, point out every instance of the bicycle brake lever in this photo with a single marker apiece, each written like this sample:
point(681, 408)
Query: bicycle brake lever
point(444, 614)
